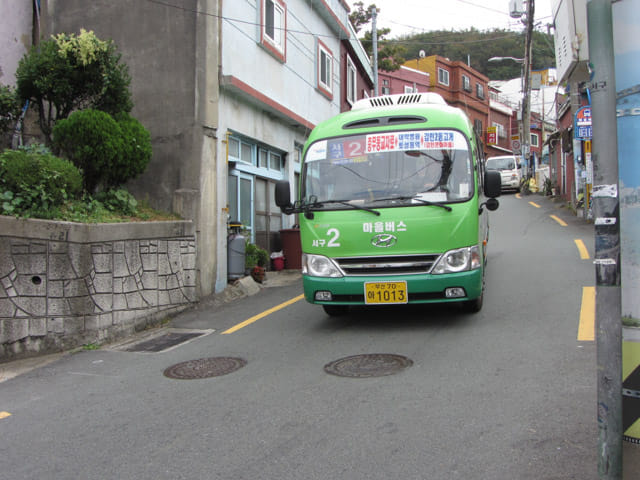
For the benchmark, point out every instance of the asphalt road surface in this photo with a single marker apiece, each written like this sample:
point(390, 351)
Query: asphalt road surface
point(507, 393)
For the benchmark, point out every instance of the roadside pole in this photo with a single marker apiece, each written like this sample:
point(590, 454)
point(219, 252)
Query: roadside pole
point(607, 239)
point(374, 41)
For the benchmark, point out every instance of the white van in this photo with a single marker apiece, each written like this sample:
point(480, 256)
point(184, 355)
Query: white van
point(509, 168)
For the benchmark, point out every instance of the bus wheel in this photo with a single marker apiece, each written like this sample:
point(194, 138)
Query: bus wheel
point(473, 306)
point(335, 310)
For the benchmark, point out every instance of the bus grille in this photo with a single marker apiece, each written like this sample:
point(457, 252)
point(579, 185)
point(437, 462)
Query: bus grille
point(396, 265)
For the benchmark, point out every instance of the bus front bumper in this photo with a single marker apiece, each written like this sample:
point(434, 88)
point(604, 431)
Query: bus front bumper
point(420, 288)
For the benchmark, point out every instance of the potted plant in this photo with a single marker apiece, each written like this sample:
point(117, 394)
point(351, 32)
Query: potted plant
point(256, 259)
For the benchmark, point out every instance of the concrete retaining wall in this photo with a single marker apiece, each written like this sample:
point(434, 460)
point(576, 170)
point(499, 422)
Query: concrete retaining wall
point(65, 284)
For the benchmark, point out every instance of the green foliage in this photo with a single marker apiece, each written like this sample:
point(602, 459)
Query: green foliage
point(92, 140)
point(478, 46)
point(136, 151)
point(32, 184)
point(109, 152)
point(391, 55)
point(9, 108)
point(254, 255)
point(72, 72)
point(118, 200)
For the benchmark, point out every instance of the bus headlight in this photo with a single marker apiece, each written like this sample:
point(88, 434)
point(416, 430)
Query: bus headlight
point(319, 266)
point(459, 260)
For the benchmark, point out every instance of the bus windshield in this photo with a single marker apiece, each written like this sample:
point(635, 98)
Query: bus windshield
point(383, 169)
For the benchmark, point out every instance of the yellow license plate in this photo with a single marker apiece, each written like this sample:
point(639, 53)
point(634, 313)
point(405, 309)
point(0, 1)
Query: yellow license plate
point(385, 292)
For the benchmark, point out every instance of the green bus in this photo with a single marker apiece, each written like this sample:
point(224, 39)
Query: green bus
point(392, 206)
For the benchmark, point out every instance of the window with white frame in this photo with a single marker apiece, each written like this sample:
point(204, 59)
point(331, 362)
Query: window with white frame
point(534, 139)
point(351, 81)
point(501, 131)
point(408, 89)
point(479, 90)
point(325, 69)
point(443, 76)
point(254, 158)
point(273, 26)
point(466, 83)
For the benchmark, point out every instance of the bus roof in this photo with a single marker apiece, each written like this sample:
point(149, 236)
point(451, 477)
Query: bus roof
point(395, 112)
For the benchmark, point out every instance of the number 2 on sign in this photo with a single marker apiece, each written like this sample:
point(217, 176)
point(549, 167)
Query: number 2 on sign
point(333, 234)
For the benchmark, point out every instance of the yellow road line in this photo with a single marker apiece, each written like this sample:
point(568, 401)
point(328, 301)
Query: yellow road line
point(586, 329)
point(518, 195)
point(584, 253)
point(4, 415)
point(249, 321)
point(559, 220)
point(534, 204)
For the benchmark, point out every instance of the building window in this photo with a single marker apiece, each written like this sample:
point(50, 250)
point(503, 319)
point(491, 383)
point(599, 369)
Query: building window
point(273, 27)
point(386, 91)
point(351, 81)
point(480, 90)
point(409, 89)
point(248, 155)
point(443, 76)
point(502, 132)
point(466, 83)
point(325, 70)
point(534, 139)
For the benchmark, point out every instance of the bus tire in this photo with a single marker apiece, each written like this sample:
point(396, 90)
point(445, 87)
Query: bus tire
point(473, 306)
point(335, 310)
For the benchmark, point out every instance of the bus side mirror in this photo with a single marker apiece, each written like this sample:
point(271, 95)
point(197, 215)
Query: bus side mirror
point(283, 195)
point(492, 183)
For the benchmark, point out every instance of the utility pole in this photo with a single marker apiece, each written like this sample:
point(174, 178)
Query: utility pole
point(607, 239)
point(526, 100)
point(374, 42)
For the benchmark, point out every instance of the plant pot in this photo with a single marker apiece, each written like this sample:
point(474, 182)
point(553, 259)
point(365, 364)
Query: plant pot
point(258, 273)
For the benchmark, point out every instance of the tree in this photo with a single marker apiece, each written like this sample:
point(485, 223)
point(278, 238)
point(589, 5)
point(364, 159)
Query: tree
point(108, 150)
point(72, 72)
point(390, 54)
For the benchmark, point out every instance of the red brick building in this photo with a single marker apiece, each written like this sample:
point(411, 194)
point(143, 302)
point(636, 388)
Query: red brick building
point(404, 80)
point(460, 85)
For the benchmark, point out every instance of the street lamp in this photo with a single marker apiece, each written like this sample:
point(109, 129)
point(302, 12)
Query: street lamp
point(526, 96)
point(499, 59)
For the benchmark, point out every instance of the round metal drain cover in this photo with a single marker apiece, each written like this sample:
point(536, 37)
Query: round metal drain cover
point(368, 365)
point(204, 368)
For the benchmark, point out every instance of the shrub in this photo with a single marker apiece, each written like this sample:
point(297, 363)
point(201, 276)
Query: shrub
point(71, 72)
point(9, 109)
point(32, 183)
point(93, 141)
point(109, 152)
point(136, 151)
point(119, 201)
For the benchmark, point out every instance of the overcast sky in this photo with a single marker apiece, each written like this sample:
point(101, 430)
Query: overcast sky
point(415, 16)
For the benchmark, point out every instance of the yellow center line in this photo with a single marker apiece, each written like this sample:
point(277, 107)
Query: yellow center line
point(559, 220)
point(584, 253)
point(534, 204)
point(586, 329)
point(257, 317)
point(4, 415)
point(518, 195)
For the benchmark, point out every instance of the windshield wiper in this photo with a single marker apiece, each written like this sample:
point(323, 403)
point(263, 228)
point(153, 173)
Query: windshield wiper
point(344, 202)
point(418, 199)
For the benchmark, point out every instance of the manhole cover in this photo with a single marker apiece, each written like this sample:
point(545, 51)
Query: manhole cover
point(368, 365)
point(204, 368)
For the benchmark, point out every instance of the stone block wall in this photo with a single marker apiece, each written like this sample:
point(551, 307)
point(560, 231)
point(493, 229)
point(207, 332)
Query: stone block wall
point(64, 285)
